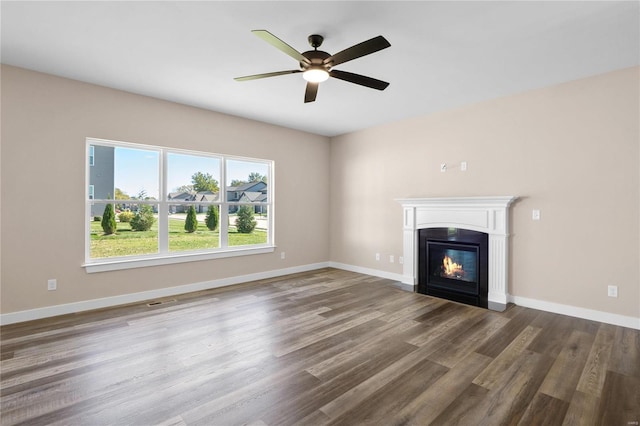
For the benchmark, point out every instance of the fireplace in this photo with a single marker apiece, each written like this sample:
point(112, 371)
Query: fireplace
point(484, 215)
point(453, 264)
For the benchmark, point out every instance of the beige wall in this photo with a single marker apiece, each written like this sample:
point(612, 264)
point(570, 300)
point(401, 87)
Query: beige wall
point(571, 151)
point(45, 121)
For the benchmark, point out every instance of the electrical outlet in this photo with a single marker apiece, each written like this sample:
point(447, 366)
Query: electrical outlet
point(282, 255)
point(401, 260)
point(612, 291)
point(52, 284)
point(378, 256)
point(535, 214)
point(463, 166)
point(391, 258)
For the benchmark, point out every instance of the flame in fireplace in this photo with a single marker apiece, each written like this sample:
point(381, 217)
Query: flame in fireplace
point(452, 269)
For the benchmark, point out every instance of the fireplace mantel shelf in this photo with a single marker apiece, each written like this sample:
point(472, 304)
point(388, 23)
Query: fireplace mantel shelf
point(498, 201)
point(482, 214)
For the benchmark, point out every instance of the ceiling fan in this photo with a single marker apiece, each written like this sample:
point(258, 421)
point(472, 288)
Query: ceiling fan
point(316, 66)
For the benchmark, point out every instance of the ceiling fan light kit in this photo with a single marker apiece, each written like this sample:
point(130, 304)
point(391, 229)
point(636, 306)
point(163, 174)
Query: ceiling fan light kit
point(315, 75)
point(316, 66)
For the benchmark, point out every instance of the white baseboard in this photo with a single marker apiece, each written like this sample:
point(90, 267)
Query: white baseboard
point(366, 271)
point(574, 311)
point(557, 308)
point(70, 308)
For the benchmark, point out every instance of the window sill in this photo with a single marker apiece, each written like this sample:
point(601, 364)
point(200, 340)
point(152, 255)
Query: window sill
point(115, 265)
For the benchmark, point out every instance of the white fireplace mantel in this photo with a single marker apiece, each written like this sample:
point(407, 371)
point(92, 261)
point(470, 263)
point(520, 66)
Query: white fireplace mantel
point(483, 214)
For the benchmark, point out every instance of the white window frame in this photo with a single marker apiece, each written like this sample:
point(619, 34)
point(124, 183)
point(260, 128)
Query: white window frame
point(164, 256)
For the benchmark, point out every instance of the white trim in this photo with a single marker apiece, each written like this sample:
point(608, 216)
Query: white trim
point(164, 256)
point(69, 308)
point(87, 305)
point(366, 271)
point(482, 214)
point(124, 263)
point(575, 311)
point(557, 308)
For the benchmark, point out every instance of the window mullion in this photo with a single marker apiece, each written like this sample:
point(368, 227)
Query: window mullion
point(224, 225)
point(224, 207)
point(163, 208)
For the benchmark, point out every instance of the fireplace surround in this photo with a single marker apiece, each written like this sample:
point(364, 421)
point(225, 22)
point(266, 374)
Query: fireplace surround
point(488, 215)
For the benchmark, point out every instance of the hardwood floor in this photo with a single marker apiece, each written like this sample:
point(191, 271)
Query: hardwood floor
point(327, 347)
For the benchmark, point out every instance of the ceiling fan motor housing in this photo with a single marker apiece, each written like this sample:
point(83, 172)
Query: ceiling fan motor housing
point(316, 60)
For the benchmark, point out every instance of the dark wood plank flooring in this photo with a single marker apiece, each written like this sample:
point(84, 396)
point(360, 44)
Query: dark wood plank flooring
point(327, 347)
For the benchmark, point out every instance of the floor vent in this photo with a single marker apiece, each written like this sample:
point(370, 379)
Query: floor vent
point(160, 302)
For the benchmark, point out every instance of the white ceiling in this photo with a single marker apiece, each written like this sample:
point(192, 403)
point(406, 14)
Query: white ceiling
point(443, 54)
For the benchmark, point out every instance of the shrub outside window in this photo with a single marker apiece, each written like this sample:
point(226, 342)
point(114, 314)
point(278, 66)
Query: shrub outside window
point(149, 205)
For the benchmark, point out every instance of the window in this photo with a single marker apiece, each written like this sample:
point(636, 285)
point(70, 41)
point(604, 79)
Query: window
point(173, 205)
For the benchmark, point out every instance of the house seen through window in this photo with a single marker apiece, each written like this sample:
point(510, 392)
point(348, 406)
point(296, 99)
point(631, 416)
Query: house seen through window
point(148, 202)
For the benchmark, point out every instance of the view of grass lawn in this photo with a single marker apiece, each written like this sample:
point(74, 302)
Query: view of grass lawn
point(128, 243)
point(180, 240)
point(124, 243)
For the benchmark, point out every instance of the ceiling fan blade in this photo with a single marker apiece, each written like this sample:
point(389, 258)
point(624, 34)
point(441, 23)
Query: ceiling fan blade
point(311, 92)
point(265, 75)
point(281, 45)
point(359, 79)
point(362, 49)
